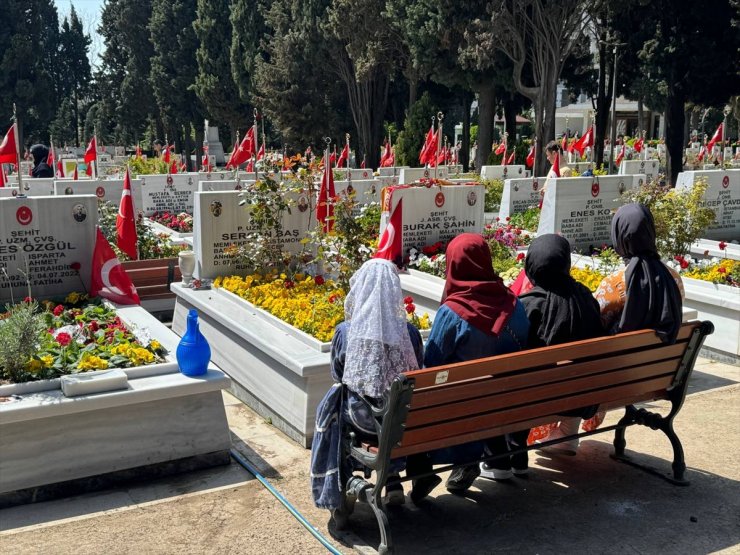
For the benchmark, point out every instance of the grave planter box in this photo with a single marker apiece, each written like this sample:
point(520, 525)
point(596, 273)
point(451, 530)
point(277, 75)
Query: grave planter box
point(152, 279)
point(163, 422)
point(273, 368)
point(426, 289)
point(177, 237)
point(721, 305)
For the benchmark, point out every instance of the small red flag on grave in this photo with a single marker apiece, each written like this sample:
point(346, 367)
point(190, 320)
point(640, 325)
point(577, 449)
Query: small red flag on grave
point(50, 157)
point(511, 157)
point(9, 148)
point(702, 152)
point(716, 138)
point(386, 154)
point(501, 149)
point(428, 147)
point(639, 144)
point(60, 169)
point(530, 157)
point(586, 141)
point(109, 280)
point(173, 166)
point(245, 150)
point(126, 221)
point(620, 156)
point(324, 207)
point(250, 166)
point(390, 246)
point(344, 156)
point(166, 154)
point(555, 170)
point(91, 152)
point(138, 150)
point(3, 177)
point(75, 176)
point(564, 144)
point(261, 153)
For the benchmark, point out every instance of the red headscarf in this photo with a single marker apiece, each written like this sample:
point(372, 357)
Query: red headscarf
point(473, 290)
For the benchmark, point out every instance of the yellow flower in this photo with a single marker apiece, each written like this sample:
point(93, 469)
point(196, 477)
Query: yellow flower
point(33, 365)
point(155, 345)
point(47, 360)
point(91, 362)
point(586, 276)
point(73, 298)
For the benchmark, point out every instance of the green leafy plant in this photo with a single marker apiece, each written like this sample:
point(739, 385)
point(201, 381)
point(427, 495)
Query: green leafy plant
point(20, 328)
point(140, 166)
point(494, 191)
point(529, 219)
point(680, 215)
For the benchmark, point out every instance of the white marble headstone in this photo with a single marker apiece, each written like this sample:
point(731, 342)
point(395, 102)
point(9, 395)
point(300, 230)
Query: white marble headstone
point(225, 185)
point(648, 167)
point(221, 223)
point(168, 192)
point(43, 237)
point(105, 189)
point(722, 196)
point(391, 171)
point(502, 172)
point(357, 173)
point(37, 186)
point(581, 208)
point(432, 214)
point(520, 194)
point(411, 175)
point(365, 191)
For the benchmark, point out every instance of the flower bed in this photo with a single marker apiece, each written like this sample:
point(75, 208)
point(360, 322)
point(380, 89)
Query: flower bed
point(723, 272)
point(47, 340)
point(311, 304)
point(181, 223)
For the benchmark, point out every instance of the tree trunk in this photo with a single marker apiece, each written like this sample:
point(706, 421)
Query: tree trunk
point(640, 117)
point(199, 136)
point(603, 100)
point(413, 90)
point(77, 118)
point(674, 127)
point(486, 107)
point(465, 141)
point(188, 147)
point(510, 118)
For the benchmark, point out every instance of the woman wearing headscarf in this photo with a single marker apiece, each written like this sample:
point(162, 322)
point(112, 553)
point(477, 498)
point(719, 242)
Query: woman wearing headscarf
point(479, 317)
point(559, 310)
point(40, 158)
point(373, 346)
point(646, 293)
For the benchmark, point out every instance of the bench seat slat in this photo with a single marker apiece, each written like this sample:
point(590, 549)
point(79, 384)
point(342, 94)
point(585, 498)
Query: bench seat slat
point(492, 419)
point(519, 397)
point(490, 432)
point(488, 384)
point(544, 356)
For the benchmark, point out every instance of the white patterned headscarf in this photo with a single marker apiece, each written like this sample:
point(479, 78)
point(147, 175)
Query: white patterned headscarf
point(378, 343)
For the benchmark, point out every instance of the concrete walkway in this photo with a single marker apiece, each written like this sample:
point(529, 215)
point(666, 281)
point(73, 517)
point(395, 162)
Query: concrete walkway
point(588, 503)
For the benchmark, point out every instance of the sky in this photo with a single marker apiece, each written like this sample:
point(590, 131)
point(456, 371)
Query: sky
point(89, 13)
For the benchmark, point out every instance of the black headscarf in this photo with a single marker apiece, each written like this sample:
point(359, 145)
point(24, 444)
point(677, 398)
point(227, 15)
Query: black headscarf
point(40, 167)
point(653, 299)
point(558, 307)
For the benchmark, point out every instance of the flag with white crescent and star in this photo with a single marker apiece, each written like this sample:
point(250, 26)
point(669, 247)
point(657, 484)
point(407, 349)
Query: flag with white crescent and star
point(109, 280)
point(126, 221)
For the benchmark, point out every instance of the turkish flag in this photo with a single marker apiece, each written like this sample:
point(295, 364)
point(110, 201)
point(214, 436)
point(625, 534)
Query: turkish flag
point(60, 169)
point(521, 284)
point(325, 208)
point(109, 280)
point(702, 152)
point(385, 156)
point(3, 177)
point(75, 176)
point(9, 148)
point(425, 147)
point(126, 221)
point(245, 150)
point(250, 166)
point(511, 157)
point(91, 152)
point(344, 157)
point(173, 167)
point(261, 152)
point(501, 148)
point(362, 165)
point(639, 144)
point(716, 138)
point(620, 156)
point(586, 141)
point(88, 170)
point(530, 157)
point(390, 246)
point(556, 165)
point(166, 154)
point(50, 158)
point(564, 145)
point(138, 151)
point(229, 162)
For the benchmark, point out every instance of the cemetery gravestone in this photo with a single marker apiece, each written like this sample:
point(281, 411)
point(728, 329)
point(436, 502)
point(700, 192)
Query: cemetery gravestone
point(391, 171)
point(431, 214)
point(502, 172)
point(519, 195)
point(365, 191)
point(45, 238)
point(722, 196)
point(104, 189)
point(168, 193)
point(225, 185)
point(581, 208)
point(648, 167)
point(411, 175)
point(220, 223)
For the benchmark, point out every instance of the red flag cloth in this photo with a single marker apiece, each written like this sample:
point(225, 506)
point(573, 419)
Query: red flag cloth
point(501, 148)
point(390, 246)
point(556, 165)
point(88, 170)
point(245, 150)
point(138, 151)
point(230, 162)
point(8, 148)
point(702, 152)
point(75, 176)
point(511, 157)
point(430, 156)
point(261, 153)
point(250, 166)
point(716, 138)
point(620, 156)
point(390, 160)
point(126, 221)
point(344, 156)
point(333, 159)
point(530, 157)
point(166, 154)
point(586, 141)
point(60, 169)
point(50, 158)
point(564, 144)
point(324, 207)
point(3, 177)
point(362, 165)
point(91, 152)
point(639, 144)
point(109, 280)
point(425, 147)
point(173, 167)
point(386, 154)
point(183, 167)
point(521, 284)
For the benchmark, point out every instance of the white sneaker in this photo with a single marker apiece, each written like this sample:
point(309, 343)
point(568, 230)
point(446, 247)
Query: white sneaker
point(495, 473)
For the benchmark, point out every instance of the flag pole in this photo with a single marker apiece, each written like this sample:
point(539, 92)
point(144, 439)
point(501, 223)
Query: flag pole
point(349, 172)
point(440, 117)
point(724, 134)
point(138, 252)
point(95, 162)
point(264, 145)
point(444, 153)
point(254, 154)
point(18, 150)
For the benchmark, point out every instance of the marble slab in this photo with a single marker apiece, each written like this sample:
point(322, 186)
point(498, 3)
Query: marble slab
point(168, 193)
point(104, 189)
point(502, 172)
point(43, 237)
point(722, 196)
point(650, 168)
point(721, 305)
point(412, 175)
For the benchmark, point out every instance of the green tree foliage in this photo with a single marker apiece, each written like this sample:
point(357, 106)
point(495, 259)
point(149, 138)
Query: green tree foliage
point(63, 126)
point(214, 83)
point(248, 29)
point(75, 74)
point(415, 129)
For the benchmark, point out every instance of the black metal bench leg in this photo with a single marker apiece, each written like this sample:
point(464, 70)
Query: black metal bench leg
point(376, 503)
point(619, 441)
point(679, 463)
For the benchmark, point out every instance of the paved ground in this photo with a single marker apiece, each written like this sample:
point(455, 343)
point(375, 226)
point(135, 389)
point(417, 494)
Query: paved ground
point(587, 503)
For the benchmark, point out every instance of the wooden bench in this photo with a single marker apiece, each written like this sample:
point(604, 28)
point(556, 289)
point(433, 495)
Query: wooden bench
point(152, 278)
point(476, 400)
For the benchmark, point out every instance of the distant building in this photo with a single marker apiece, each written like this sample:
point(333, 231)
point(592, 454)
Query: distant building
point(577, 118)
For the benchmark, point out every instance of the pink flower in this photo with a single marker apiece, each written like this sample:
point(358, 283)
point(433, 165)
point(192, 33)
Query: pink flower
point(58, 309)
point(64, 339)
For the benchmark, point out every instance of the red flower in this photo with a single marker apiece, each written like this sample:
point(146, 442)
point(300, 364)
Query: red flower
point(722, 245)
point(498, 219)
point(508, 218)
point(28, 300)
point(319, 280)
point(93, 326)
point(289, 284)
point(410, 308)
point(684, 264)
point(58, 309)
point(64, 339)
point(332, 299)
point(408, 300)
point(520, 257)
point(75, 266)
point(434, 257)
point(722, 270)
